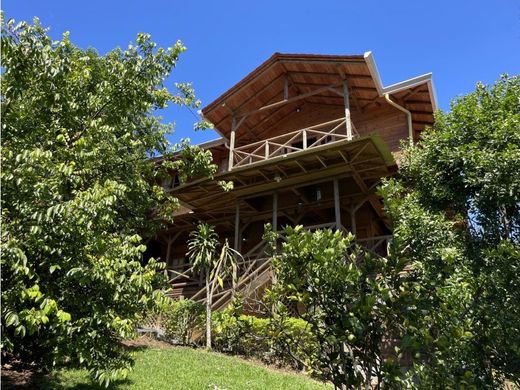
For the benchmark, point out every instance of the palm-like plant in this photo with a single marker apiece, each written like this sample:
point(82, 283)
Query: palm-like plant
point(202, 254)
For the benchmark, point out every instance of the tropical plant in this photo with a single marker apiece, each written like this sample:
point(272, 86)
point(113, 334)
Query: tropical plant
point(215, 264)
point(79, 192)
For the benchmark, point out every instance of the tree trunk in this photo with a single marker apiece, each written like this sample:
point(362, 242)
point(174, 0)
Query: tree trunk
point(209, 298)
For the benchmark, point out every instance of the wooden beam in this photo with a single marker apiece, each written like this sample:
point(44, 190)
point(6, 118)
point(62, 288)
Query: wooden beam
point(267, 118)
point(353, 220)
point(300, 165)
point(336, 92)
point(287, 101)
point(344, 78)
point(352, 87)
point(335, 75)
point(236, 109)
point(231, 150)
point(321, 161)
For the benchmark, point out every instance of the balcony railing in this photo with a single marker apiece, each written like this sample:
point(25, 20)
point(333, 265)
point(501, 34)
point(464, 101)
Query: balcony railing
point(292, 142)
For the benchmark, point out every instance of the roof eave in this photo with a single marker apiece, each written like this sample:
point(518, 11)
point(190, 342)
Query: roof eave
point(402, 85)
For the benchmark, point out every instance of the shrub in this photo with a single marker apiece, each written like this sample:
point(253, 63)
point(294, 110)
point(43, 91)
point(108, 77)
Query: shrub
point(282, 341)
point(183, 319)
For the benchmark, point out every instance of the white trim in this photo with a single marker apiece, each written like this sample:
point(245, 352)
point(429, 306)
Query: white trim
point(425, 78)
point(212, 143)
point(410, 83)
point(433, 95)
point(372, 67)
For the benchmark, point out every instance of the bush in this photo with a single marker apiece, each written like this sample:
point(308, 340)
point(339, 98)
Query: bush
point(183, 319)
point(293, 343)
point(282, 341)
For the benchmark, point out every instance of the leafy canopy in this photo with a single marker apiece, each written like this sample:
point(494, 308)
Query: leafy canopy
point(79, 193)
point(466, 171)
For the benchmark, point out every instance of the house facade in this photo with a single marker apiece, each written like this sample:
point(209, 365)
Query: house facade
point(305, 139)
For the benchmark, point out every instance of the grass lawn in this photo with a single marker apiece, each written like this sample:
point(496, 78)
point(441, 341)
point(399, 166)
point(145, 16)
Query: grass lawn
point(185, 368)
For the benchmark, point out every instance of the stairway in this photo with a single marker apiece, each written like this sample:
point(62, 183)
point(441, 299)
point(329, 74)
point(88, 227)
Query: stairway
point(254, 275)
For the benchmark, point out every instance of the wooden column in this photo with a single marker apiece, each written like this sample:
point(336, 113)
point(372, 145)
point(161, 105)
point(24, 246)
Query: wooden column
point(348, 123)
point(237, 227)
point(337, 207)
point(275, 211)
point(232, 143)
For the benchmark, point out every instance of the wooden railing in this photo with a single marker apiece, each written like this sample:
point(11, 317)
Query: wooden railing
point(294, 141)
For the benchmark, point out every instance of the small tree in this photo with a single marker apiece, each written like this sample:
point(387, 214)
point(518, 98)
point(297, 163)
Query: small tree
point(204, 255)
point(348, 299)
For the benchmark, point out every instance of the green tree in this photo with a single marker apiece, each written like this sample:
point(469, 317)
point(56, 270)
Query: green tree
point(215, 265)
point(79, 193)
point(466, 172)
point(445, 301)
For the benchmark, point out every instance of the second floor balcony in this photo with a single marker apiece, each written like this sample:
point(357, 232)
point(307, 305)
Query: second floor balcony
point(333, 131)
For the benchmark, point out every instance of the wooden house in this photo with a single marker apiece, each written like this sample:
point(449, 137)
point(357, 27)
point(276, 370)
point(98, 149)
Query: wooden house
point(306, 140)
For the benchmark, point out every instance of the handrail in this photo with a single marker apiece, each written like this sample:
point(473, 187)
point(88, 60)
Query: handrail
point(284, 144)
point(179, 274)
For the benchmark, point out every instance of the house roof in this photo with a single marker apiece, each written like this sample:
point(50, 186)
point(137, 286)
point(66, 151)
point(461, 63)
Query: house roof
point(300, 74)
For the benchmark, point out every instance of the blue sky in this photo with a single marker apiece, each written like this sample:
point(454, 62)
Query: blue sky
point(460, 41)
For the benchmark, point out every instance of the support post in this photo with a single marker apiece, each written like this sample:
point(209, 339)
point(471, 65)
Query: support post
point(237, 226)
point(168, 250)
point(337, 207)
point(353, 220)
point(275, 211)
point(348, 123)
point(304, 133)
point(232, 144)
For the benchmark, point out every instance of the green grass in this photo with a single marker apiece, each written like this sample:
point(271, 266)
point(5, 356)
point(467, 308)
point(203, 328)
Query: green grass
point(185, 368)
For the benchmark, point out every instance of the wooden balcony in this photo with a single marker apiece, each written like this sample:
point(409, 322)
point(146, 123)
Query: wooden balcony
point(293, 142)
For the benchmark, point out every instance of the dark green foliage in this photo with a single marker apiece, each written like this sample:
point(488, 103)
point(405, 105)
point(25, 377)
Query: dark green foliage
point(442, 310)
point(78, 193)
point(182, 319)
point(469, 163)
point(466, 176)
